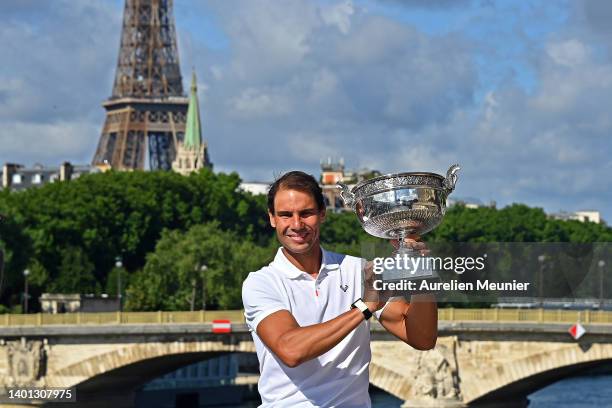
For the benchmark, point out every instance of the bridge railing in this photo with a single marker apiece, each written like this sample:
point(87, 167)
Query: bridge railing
point(236, 316)
point(159, 317)
point(526, 315)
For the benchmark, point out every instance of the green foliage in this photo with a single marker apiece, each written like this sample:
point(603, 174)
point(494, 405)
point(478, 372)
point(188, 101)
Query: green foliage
point(17, 247)
point(117, 277)
point(75, 273)
point(515, 223)
point(114, 214)
point(205, 263)
point(342, 233)
point(163, 225)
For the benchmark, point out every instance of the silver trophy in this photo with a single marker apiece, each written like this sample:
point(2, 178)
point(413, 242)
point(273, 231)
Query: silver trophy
point(396, 206)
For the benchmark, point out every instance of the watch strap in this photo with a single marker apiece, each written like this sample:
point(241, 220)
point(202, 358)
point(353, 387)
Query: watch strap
point(360, 304)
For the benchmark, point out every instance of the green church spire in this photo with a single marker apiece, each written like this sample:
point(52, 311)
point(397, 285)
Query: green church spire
point(193, 130)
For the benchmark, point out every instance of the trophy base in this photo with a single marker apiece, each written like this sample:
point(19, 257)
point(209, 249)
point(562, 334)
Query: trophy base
point(408, 277)
point(396, 275)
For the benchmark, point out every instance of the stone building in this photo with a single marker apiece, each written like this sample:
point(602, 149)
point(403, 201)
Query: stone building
point(333, 172)
point(18, 177)
point(74, 302)
point(582, 216)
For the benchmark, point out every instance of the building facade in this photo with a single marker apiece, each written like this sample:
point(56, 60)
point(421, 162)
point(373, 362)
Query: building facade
point(333, 172)
point(57, 303)
point(581, 215)
point(18, 177)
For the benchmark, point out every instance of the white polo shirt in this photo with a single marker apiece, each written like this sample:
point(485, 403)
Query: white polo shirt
point(338, 378)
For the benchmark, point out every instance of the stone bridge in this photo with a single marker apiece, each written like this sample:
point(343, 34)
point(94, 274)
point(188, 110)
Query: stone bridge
point(484, 362)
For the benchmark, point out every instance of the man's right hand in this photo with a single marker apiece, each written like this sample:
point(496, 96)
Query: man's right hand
point(374, 299)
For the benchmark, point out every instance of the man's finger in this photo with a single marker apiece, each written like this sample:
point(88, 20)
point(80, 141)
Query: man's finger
point(409, 241)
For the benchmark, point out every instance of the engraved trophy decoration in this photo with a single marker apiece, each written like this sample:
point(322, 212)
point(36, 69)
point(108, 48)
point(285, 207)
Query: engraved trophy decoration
point(399, 205)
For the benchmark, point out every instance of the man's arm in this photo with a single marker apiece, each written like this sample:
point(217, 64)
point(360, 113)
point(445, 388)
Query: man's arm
point(294, 344)
point(415, 323)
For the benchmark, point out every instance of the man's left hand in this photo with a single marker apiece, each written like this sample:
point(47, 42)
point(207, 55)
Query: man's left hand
point(413, 242)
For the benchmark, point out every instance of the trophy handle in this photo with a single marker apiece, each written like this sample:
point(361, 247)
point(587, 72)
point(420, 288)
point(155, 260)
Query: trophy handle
point(451, 178)
point(347, 196)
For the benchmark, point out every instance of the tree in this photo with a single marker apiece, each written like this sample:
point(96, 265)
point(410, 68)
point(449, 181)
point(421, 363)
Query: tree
point(75, 273)
point(173, 277)
point(116, 214)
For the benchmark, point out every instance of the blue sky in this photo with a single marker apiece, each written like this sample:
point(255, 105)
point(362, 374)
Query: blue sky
point(517, 92)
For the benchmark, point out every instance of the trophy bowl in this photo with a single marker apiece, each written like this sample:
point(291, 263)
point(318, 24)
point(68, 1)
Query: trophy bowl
point(394, 206)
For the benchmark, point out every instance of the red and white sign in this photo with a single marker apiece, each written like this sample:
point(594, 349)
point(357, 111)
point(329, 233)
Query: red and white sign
point(221, 326)
point(577, 331)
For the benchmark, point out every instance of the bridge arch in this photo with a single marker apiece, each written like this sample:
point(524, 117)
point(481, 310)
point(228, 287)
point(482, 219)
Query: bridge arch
point(135, 364)
point(526, 375)
point(390, 381)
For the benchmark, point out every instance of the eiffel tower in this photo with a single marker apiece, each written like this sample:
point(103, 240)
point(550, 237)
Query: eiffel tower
point(146, 114)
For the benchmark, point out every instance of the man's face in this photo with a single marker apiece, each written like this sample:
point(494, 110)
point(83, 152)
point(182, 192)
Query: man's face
point(297, 220)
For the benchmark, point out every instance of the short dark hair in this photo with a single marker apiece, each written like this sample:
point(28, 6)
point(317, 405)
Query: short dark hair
point(300, 181)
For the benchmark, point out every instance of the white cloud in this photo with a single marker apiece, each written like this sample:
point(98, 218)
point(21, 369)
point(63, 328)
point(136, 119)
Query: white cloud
point(303, 80)
point(339, 15)
point(257, 103)
point(324, 85)
point(57, 69)
point(49, 143)
point(570, 53)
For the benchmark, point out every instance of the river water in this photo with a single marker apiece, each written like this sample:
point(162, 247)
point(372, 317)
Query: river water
point(573, 392)
point(590, 387)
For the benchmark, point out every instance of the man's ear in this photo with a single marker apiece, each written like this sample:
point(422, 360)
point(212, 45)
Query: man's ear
point(323, 213)
point(272, 221)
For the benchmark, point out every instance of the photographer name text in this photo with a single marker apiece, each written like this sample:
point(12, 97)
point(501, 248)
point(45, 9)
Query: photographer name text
point(452, 285)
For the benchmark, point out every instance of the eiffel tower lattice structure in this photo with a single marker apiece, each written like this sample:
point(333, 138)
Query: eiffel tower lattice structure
point(146, 114)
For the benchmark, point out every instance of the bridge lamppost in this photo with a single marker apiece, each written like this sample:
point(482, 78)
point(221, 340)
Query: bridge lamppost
point(119, 265)
point(541, 260)
point(25, 294)
point(193, 295)
point(601, 265)
point(203, 269)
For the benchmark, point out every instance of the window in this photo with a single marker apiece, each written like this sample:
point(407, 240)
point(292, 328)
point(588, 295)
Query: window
point(16, 179)
point(37, 178)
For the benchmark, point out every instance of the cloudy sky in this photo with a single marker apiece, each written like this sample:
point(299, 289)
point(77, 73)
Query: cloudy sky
point(518, 92)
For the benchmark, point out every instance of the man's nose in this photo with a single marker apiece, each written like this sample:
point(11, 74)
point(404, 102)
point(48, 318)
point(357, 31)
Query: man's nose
point(296, 221)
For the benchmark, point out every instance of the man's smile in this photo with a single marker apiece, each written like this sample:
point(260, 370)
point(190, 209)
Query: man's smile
point(298, 237)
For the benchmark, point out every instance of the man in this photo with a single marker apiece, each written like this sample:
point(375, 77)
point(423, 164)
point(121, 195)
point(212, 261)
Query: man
point(309, 325)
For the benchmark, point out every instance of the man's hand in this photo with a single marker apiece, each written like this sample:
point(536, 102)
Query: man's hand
point(414, 322)
point(372, 297)
point(413, 242)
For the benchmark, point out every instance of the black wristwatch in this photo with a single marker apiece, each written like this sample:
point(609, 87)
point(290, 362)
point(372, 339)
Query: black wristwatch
point(360, 304)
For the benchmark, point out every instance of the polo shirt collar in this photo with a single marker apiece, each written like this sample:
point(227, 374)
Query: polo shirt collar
point(293, 272)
